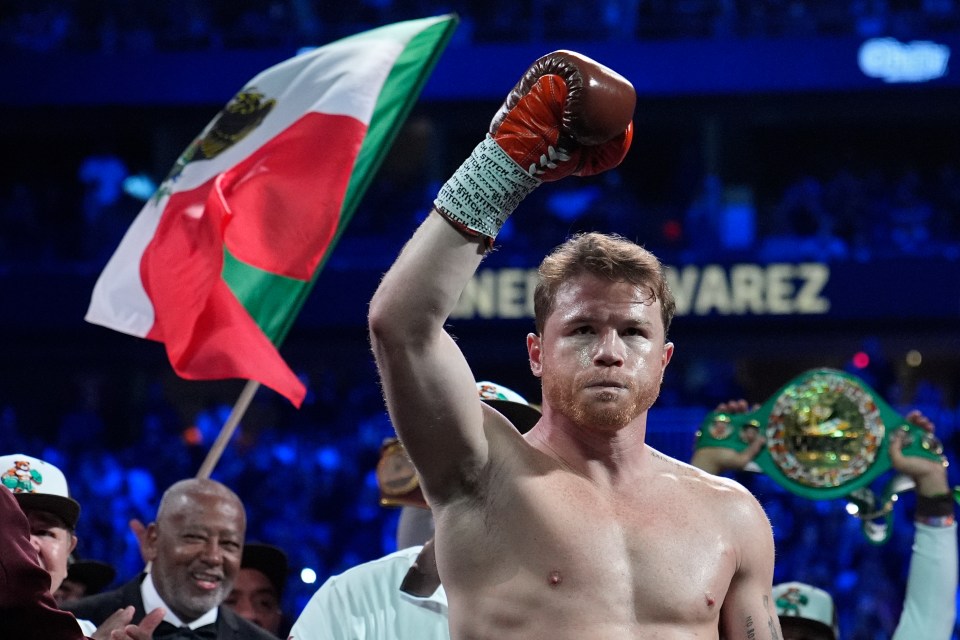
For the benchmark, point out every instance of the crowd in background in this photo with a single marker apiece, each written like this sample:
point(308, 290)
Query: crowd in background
point(852, 214)
point(177, 25)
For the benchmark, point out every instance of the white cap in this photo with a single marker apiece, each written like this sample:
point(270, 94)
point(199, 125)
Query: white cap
point(801, 605)
point(38, 486)
point(515, 407)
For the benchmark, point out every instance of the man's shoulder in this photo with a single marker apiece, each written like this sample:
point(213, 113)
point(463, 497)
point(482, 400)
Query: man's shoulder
point(726, 494)
point(709, 490)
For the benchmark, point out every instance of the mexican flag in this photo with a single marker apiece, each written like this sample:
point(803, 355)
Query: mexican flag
point(221, 259)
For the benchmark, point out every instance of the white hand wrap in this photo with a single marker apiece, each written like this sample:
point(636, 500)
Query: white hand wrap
point(485, 190)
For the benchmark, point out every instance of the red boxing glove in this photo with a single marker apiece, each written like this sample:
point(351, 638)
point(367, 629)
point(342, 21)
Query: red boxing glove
point(568, 115)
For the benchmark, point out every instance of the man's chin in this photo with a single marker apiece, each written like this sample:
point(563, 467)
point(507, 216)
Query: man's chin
point(612, 413)
point(611, 421)
point(199, 605)
point(605, 416)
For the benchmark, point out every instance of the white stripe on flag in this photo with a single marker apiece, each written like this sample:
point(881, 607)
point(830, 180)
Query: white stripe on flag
point(119, 300)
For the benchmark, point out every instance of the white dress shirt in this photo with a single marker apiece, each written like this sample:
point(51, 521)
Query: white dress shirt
point(365, 603)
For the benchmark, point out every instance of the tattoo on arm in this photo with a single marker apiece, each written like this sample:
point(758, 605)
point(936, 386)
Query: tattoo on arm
point(773, 630)
point(751, 632)
point(773, 627)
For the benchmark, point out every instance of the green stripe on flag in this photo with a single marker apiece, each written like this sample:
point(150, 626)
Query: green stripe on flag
point(400, 91)
point(274, 301)
point(270, 299)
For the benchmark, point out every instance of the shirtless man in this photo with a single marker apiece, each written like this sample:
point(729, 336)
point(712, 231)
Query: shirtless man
point(576, 529)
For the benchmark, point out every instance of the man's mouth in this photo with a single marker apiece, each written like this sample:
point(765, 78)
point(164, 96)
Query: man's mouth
point(207, 581)
point(606, 384)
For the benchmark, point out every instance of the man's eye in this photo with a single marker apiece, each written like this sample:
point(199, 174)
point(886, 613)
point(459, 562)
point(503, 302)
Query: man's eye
point(582, 330)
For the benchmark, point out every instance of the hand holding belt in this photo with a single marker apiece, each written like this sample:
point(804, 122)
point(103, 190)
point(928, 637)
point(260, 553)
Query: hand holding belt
point(827, 436)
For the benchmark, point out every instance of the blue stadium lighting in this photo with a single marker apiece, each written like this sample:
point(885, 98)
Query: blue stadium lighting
point(139, 186)
point(894, 61)
point(329, 458)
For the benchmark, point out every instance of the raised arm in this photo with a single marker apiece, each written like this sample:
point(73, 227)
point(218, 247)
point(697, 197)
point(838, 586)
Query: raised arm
point(427, 384)
point(567, 115)
point(929, 608)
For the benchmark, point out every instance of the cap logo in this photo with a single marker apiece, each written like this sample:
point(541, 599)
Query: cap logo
point(790, 601)
point(490, 392)
point(20, 478)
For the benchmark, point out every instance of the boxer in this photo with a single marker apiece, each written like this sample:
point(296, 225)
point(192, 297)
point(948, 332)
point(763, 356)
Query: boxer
point(576, 529)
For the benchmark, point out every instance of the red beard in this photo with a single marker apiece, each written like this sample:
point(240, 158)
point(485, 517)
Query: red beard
point(605, 412)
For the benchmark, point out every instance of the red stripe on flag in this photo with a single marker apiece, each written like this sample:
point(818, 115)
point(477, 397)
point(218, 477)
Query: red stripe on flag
point(284, 201)
point(207, 333)
point(277, 210)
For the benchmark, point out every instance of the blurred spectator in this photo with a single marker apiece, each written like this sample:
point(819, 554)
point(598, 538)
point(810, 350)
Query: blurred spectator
point(84, 578)
point(258, 589)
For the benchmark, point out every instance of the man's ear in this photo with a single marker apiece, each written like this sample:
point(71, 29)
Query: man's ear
point(667, 356)
point(535, 354)
point(148, 544)
point(73, 543)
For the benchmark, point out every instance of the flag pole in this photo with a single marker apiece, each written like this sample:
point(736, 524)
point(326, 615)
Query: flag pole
point(226, 431)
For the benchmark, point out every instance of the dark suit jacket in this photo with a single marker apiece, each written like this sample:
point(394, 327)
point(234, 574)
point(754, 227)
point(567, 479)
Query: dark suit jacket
point(98, 608)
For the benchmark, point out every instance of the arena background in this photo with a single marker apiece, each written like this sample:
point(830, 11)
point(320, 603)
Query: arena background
point(810, 145)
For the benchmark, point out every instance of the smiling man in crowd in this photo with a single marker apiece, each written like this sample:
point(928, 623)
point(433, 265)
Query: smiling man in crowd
point(195, 547)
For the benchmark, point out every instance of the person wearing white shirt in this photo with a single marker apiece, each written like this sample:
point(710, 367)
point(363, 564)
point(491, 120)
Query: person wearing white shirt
point(393, 597)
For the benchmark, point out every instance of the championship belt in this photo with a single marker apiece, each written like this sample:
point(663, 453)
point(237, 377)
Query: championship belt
point(827, 436)
point(397, 478)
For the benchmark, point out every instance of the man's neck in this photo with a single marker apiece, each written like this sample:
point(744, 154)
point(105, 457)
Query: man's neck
point(602, 456)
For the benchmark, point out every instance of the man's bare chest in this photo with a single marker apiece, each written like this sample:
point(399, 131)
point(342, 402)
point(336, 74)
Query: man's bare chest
point(652, 552)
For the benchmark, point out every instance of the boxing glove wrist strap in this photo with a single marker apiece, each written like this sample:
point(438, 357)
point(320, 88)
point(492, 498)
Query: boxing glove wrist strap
point(484, 191)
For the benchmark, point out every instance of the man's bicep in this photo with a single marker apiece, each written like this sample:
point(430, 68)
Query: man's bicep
point(433, 404)
point(750, 616)
point(749, 612)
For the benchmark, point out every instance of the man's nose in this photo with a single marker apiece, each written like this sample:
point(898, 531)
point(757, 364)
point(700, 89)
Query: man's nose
point(609, 351)
point(213, 552)
point(35, 543)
